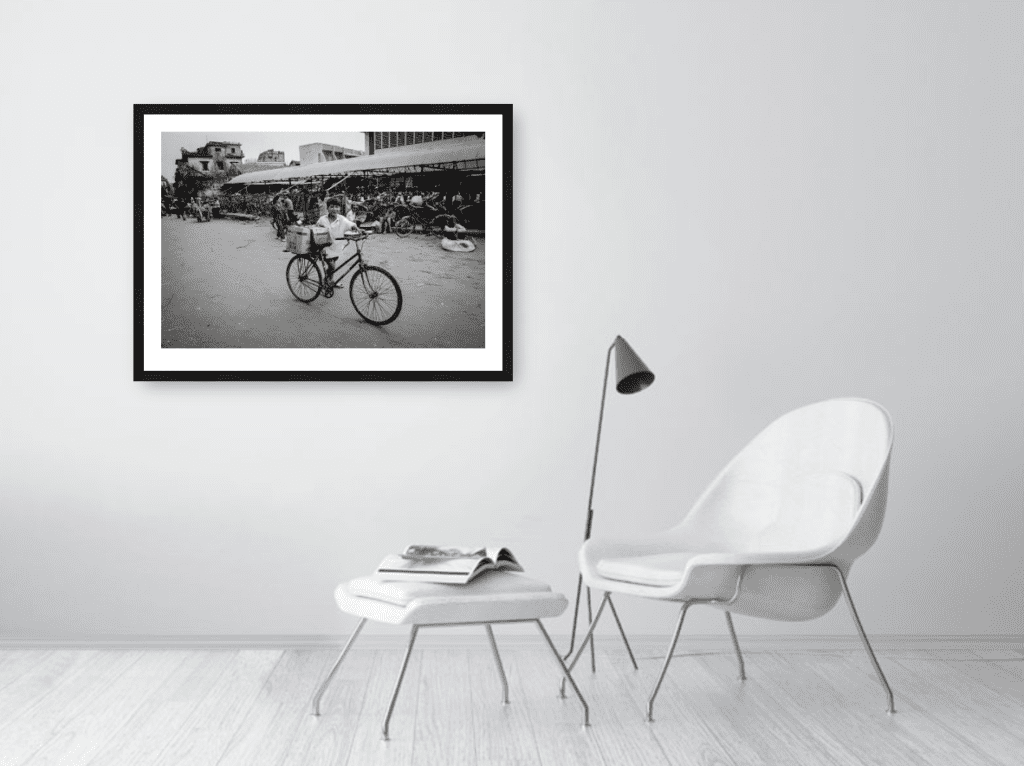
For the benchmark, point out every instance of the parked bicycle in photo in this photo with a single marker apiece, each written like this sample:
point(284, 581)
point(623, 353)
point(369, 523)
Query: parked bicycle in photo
point(374, 293)
point(429, 220)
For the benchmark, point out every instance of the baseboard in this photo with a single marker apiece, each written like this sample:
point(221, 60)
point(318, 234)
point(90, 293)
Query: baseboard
point(783, 643)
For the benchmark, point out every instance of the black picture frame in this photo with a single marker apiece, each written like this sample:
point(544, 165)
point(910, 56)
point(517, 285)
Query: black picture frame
point(158, 359)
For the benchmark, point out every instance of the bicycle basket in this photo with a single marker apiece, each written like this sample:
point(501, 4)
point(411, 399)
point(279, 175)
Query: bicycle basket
point(298, 240)
point(320, 236)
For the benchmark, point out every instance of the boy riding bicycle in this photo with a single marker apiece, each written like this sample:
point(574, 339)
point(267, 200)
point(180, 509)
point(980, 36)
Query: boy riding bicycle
point(337, 225)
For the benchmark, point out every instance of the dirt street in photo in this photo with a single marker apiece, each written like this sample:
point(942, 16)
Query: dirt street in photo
point(223, 286)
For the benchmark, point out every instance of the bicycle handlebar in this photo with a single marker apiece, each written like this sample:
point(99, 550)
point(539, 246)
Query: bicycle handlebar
point(346, 237)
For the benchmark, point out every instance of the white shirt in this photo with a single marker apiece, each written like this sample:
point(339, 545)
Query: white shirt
point(338, 228)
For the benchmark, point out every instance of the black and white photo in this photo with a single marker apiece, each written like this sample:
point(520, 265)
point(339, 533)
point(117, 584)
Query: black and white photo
point(323, 242)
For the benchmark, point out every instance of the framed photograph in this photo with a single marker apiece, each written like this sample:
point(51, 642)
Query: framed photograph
point(323, 242)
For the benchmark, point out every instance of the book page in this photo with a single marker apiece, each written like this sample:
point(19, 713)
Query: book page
point(504, 559)
point(436, 552)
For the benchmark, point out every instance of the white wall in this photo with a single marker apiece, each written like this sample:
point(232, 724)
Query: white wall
point(775, 203)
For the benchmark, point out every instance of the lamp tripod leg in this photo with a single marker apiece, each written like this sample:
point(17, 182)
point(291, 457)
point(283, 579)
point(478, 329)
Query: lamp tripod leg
point(575, 617)
point(583, 644)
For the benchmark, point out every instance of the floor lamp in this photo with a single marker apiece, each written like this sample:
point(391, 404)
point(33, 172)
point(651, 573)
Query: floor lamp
point(631, 376)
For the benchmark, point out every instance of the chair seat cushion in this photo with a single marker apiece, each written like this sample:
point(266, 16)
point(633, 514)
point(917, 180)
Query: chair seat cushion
point(402, 593)
point(659, 570)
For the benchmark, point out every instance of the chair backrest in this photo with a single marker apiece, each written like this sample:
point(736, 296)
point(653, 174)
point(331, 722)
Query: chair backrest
point(813, 482)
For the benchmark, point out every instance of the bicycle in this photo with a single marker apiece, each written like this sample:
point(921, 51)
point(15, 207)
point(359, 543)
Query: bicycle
point(427, 218)
point(280, 220)
point(375, 294)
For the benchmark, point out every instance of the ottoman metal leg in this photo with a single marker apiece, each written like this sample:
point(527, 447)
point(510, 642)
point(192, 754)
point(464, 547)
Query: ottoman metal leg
point(323, 686)
point(497, 659)
point(565, 670)
point(398, 683)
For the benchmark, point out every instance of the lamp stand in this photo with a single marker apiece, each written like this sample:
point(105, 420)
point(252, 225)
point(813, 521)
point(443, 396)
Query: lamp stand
point(586, 536)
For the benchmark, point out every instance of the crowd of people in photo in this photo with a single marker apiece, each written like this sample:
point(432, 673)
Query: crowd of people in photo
point(200, 208)
point(374, 205)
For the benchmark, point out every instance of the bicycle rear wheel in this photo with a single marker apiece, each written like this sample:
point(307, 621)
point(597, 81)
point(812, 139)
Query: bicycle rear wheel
point(304, 278)
point(375, 294)
point(403, 226)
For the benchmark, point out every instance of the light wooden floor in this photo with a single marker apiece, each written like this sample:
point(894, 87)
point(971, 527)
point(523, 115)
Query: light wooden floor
point(225, 707)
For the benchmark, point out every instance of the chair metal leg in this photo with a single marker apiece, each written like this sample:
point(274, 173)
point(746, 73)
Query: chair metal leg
point(497, 659)
point(622, 633)
point(583, 643)
point(398, 683)
point(668, 659)
point(864, 638)
point(593, 654)
point(736, 646)
point(337, 664)
point(568, 675)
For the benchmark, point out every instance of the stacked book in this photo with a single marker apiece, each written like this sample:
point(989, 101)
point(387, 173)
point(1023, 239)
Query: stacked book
point(431, 563)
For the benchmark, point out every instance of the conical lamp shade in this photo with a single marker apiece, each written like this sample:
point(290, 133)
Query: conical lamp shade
point(631, 374)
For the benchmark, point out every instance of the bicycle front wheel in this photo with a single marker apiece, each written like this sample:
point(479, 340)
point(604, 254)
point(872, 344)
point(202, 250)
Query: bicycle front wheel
point(304, 278)
point(375, 295)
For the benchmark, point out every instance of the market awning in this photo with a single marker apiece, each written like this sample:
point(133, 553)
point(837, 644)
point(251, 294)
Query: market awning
point(452, 154)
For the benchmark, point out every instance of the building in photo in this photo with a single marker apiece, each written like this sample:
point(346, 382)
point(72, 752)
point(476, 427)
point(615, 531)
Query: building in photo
point(271, 155)
point(382, 143)
point(268, 160)
point(310, 154)
point(216, 155)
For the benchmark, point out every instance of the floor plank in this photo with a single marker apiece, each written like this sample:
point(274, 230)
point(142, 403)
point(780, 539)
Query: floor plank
point(31, 676)
point(760, 719)
point(15, 664)
point(78, 740)
point(681, 728)
point(961, 705)
point(913, 726)
point(147, 733)
point(556, 723)
point(212, 725)
point(71, 696)
point(837, 706)
point(502, 734)
point(985, 720)
point(368, 747)
point(615, 724)
point(265, 734)
point(1008, 659)
point(326, 740)
point(444, 714)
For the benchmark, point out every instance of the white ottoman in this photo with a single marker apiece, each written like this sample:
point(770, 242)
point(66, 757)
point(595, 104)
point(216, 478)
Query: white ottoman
point(493, 597)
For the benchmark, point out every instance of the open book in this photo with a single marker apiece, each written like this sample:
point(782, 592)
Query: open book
point(430, 563)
